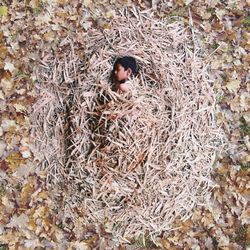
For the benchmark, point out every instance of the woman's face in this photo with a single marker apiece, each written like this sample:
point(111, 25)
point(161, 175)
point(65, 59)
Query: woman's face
point(121, 73)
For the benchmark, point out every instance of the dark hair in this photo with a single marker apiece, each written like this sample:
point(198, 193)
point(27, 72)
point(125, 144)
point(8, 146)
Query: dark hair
point(127, 62)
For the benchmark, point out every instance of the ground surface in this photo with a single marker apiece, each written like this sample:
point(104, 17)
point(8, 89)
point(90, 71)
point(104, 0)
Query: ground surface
point(32, 29)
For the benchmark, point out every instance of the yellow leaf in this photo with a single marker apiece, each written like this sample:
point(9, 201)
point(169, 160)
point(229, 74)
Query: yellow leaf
point(32, 225)
point(49, 36)
point(233, 85)
point(3, 10)
point(87, 2)
point(3, 52)
point(14, 160)
point(43, 195)
point(20, 119)
point(110, 14)
point(73, 18)
point(41, 212)
point(10, 238)
point(19, 107)
point(26, 193)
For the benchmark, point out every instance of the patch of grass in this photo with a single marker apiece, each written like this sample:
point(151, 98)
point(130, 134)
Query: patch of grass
point(37, 10)
point(212, 11)
point(21, 74)
point(215, 46)
point(2, 191)
point(144, 241)
point(215, 242)
point(241, 235)
point(4, 247)
point(244, 167)
point(245, 128)
point(247, 21)
point(60, 225)
point(174, 13)
point(224, 77)
point(221, 98)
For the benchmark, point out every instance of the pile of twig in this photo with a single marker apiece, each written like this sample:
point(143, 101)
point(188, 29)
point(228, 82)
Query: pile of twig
point(138, 161)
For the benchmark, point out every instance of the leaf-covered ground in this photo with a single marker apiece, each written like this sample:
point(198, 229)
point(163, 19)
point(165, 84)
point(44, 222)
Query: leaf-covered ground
point(31, 29)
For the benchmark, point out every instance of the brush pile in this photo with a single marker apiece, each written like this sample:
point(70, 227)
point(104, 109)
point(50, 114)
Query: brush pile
point(135, 161)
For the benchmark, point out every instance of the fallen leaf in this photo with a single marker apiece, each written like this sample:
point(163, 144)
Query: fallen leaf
point(81, 245)
point(7, 86)
point(26, 154)
point(49, 36)
point(3, 52)
point(32, 244)
point(19, 107)
point(3, 165)
point(14, 160)
point(7, 203)
point(41, 212)
point(9, 66)
point(235, 104)
point(25, 195)
point(1, 95)
point(23, 171)
point(87, 2)
point(8, 125)
point(245, 101)
point(43, 18)
point(2, 147)
point(233, 85)
point(18, 221)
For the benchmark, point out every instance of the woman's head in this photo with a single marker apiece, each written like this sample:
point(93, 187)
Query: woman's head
point(124, 67)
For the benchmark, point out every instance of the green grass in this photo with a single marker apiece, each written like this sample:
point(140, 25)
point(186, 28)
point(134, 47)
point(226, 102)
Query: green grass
point(215, 46)
point(144, 241)
point(37, 10)
point(4, 247)
point(244, 167)
point(247, 21)
point(2, 191)
point(174, 13)
point(212, 11)
point(241, 235)
point(245, 128)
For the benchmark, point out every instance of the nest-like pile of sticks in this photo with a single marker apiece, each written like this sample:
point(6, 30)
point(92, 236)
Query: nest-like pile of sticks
point(133, 161)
